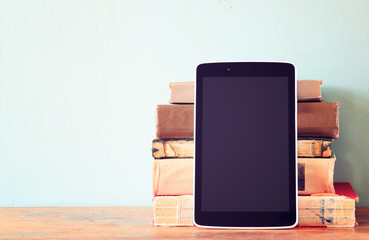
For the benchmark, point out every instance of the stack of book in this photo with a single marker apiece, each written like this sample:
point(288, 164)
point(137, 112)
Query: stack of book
point(321, 202)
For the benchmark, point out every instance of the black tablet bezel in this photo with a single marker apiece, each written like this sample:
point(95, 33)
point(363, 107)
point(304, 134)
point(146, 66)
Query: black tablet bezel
point(246, 219)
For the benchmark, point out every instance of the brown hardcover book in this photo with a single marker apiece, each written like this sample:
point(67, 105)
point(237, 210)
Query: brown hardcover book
point(307, 90)
point(314, 119)
point(327, 211)
point(174, 121)
point(318, 119)
point(174, 176)
point(184, 148)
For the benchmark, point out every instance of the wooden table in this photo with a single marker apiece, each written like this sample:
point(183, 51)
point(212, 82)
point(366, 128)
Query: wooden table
point(136, 223)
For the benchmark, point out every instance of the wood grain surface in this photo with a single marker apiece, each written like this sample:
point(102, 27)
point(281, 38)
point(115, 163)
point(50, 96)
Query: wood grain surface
point(136, 223)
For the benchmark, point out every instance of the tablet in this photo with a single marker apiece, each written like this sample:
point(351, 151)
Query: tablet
point(245, 173)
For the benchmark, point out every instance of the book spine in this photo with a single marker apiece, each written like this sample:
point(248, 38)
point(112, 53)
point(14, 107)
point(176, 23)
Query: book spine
point(176, 148)
point(313, 211)
point(314, 147)
point(184, 148)
point(307, 90)
point(173, 176)
point(182, 92)
point(173, 211)
point(319, 119)
point(174, 121)
point(315, 175)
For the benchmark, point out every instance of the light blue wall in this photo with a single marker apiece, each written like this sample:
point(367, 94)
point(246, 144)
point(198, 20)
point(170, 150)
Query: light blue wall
point(79, 81)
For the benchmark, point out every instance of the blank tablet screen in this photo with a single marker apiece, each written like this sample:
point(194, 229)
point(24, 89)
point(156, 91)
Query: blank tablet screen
point(245, 144)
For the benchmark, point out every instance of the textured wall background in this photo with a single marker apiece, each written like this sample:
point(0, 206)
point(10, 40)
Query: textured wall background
point(79, 81)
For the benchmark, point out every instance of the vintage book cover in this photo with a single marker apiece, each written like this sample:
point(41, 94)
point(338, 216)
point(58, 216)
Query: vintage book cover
point(307, 90)
point(182, 92)
point(174, 121)
point(345, 188)
point(315, 175)
point(174, 176)
point(314, 119)
point(314, 147)
point(173, 148)
point(319, 119)
point(327, 211)
point(184, 148)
